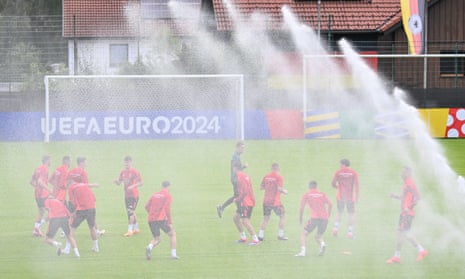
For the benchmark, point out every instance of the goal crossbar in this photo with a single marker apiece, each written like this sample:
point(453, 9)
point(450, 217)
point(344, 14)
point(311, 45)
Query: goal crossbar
point(240, 78)
point(424, 57)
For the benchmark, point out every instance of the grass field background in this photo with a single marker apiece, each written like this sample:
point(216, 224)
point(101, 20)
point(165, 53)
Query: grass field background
point(199, 172)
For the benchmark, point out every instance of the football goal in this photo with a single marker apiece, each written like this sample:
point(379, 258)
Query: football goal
point(93, 107)
point(335, 73)
point(358, 95)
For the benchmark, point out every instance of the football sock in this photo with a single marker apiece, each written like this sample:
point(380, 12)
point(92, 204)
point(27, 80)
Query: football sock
point(243, 236)
point(420, 248)
point(322, 243)
point(95, 244)
point(336, 225)
point(76, 252)
point(254, 237)
point(130, 227)
point(303, 249)
point(173, 253)
point(150, 246)
point(37, 225)
point(351, 228)
point(261, 233)
point(280, 233)
point(397, 254)
point(136, 226)
point(67, 246)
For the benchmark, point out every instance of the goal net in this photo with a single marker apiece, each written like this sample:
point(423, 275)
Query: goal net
point(143, 107)
point(355, 95)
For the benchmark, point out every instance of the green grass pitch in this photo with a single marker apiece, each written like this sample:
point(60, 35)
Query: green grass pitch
point(199, 174)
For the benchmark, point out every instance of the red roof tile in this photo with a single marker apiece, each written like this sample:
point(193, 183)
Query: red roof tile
point(345, 16)
point(92, 18)
point(113, 18)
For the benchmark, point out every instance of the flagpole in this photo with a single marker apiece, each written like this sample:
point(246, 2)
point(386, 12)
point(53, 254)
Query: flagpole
point(425, 38)
point(319, 18)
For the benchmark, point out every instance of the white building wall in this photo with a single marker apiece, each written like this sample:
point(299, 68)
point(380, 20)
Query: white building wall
point(93, 56)
point(71, 57)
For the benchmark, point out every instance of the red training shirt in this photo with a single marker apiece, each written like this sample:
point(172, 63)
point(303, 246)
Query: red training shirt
point(409, 198)
point(346, 181)
point(82, 196)
point(40, 173)
point(79, 174)
point(58, 181)
point(56, 208)
point(159, 206)
point(246, 196)
point(271, 184)
point(130, 177)
point(317, 202)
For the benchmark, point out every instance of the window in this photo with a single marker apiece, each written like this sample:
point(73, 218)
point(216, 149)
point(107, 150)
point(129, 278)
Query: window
point(159, 9)
point(452, 66)
point(118, 54)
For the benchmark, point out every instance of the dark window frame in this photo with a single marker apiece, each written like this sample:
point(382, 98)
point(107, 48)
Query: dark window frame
point(452, 66)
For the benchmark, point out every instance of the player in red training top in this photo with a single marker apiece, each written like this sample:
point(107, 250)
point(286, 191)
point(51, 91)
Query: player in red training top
point(79, 175)
point(58, 216)
point(320, 208)
point(272, 184)
point(131, 179)
point(158, 208)
point(345, 180)
point(39, 181)
point(82, 199)
point(245, 202)
point(58, 179)
point(408, 200)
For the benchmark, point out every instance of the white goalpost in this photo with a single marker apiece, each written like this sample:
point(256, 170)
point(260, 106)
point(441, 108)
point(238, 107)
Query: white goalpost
point(87, 107)
point(352, 95)
point(428, 70)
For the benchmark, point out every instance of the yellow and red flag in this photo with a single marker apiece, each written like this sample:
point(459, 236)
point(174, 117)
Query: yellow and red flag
point(413, 19)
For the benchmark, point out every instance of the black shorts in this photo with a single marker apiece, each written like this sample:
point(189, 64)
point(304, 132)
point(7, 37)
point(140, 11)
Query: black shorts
point(81, 215)
point(320, 224)
point(278, 210)
point(405, 222)
point(55, 224)
point(71, 207)
point(156, 226)
point(131, 202)
point(40, 202)
point(245, 211)
point(350, 205)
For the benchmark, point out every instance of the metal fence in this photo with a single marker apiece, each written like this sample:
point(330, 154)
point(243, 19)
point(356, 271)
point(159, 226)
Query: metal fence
point(29, 47)
point(33, 46)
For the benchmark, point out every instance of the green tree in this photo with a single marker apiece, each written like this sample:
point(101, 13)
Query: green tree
point(30, 7)
point(30, 39)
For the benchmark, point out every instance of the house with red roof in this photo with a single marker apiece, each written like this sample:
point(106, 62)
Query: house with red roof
point(104, 34)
